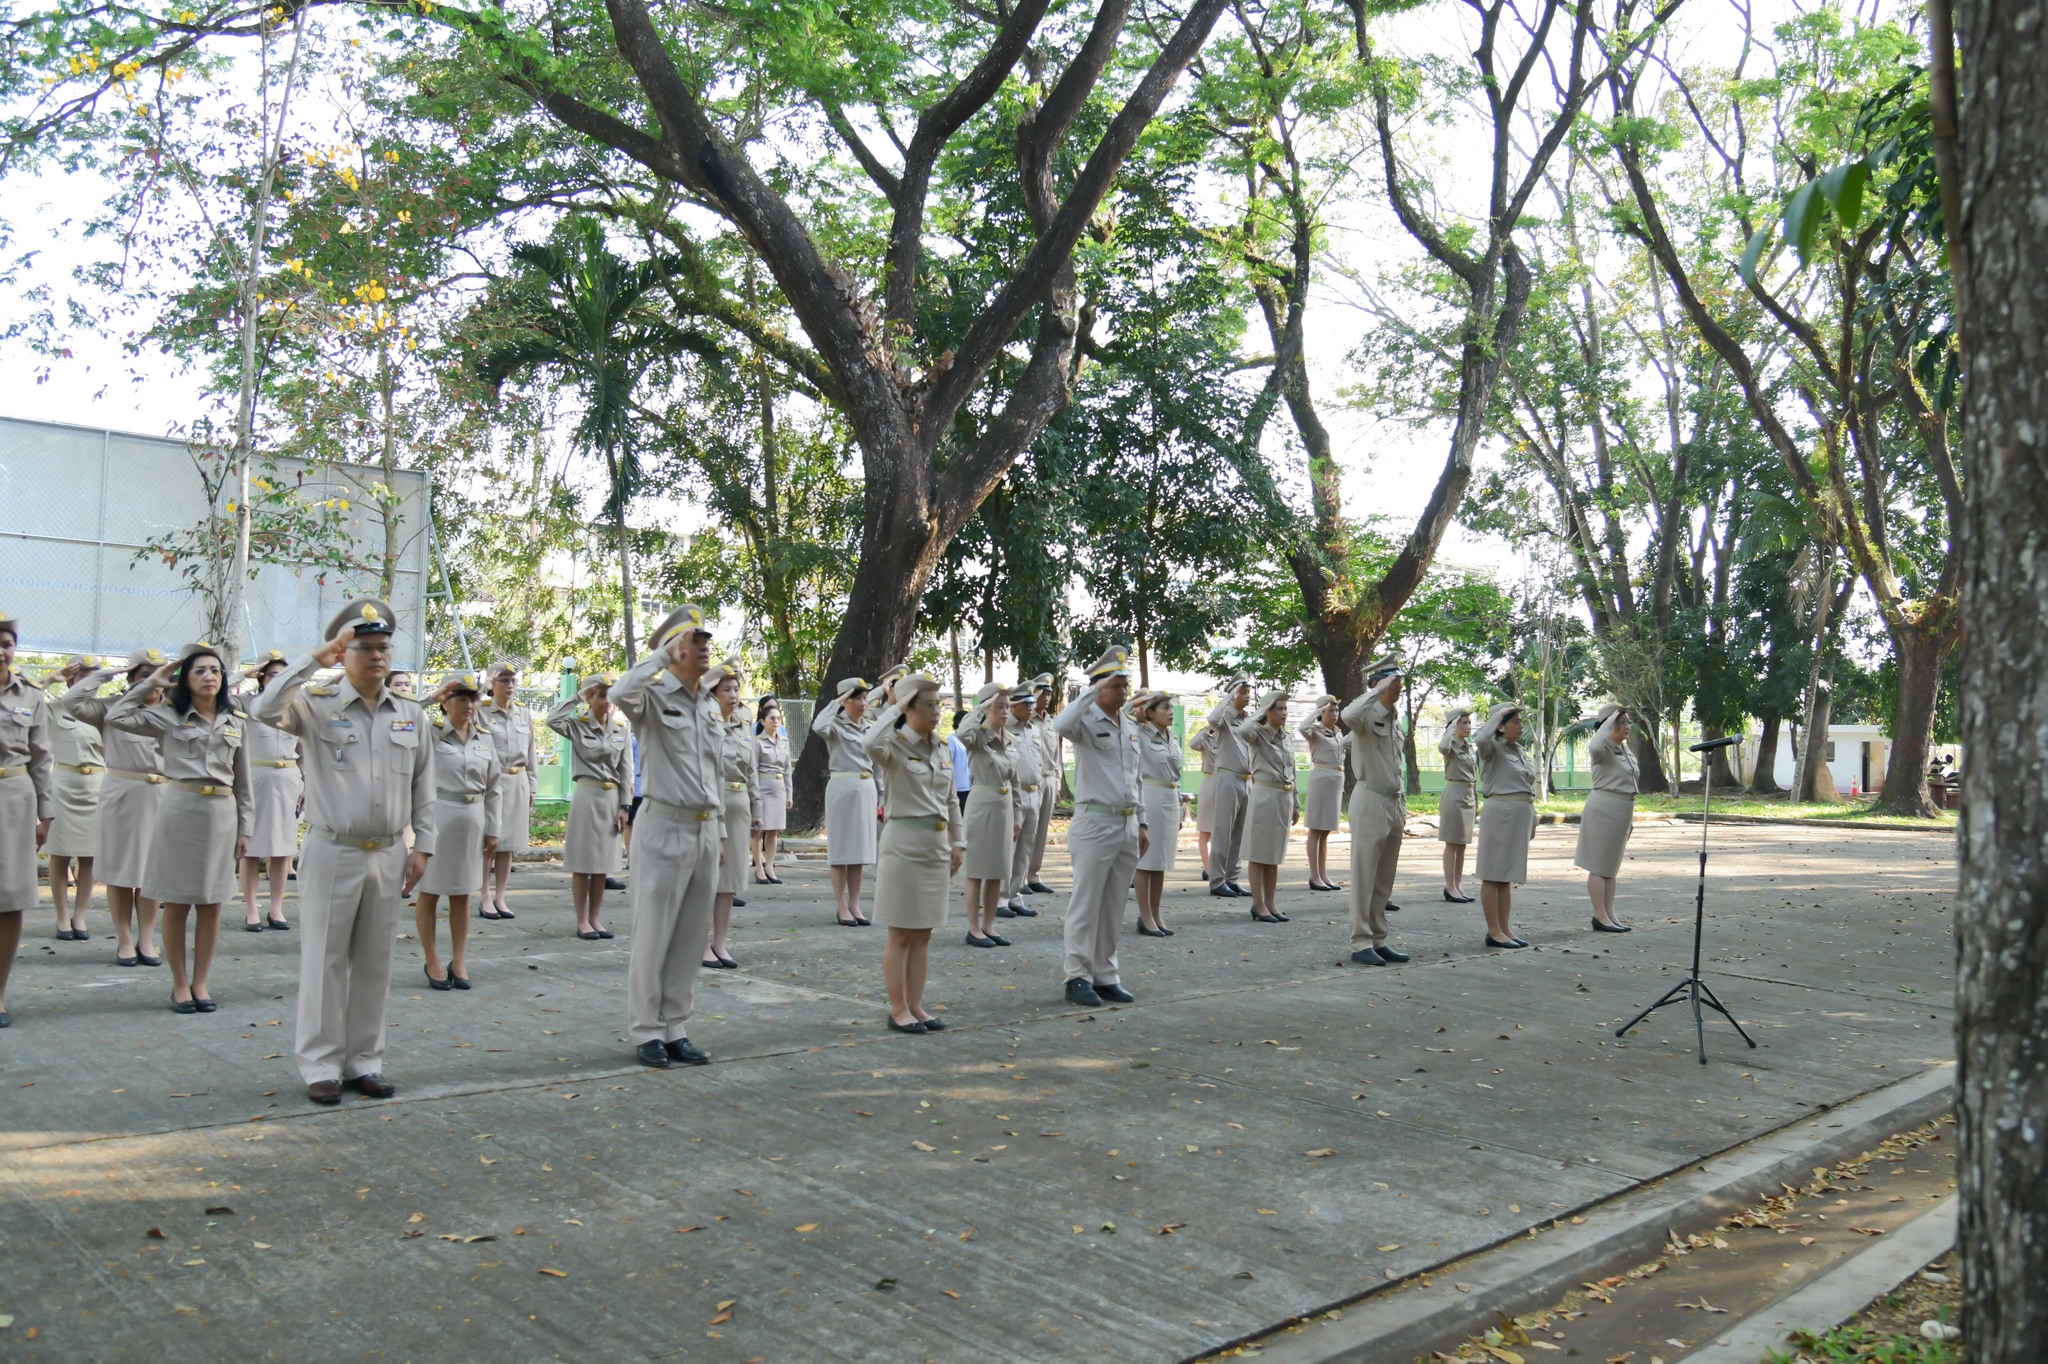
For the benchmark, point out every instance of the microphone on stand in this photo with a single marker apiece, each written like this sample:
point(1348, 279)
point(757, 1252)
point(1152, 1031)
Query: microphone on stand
point(1712, 744)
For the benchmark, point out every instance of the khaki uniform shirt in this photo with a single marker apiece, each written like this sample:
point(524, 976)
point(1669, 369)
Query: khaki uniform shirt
point(512, 731)
point(74, 744)
point(737, 770)
point(1458, 765)
point(197, 752)
point(1504, 769)
point(919, 772)
point(1614, 767)
point(1271, 750)
point(25, 740)
point(843, 747)
point(1159, 757)
point(467, 769)
point(1204, 743)
point(1225, 741)
point(126, 751)
point(771, 757)
point(991, 761)
point(1375, 746)
point(1325, 745)
point(679, 736)
point(1106, 762)
point(597, 753)
point(369, 764)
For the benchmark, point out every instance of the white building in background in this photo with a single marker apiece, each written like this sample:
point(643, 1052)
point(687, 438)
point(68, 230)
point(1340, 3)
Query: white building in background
point(1857, 755)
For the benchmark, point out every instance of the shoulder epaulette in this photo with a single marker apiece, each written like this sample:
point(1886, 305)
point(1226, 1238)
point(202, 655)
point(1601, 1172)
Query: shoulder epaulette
point(322, 689)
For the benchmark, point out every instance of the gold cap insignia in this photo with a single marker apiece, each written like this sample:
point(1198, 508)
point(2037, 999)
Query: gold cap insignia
point(370, 612)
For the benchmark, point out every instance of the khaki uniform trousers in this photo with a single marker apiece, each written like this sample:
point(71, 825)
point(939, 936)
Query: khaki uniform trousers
point(1377, 825)
point(348, 930)
point(1048, 796)
point(1226, 833)
point(675, 878)
point(1032, 815)
point(1104, 849)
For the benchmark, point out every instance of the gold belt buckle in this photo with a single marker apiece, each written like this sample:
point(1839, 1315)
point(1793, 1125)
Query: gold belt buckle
point(939, 825)
point(1002, 790)
point(703, 815)
point(371, 844)
point(610, 785)
point(863, 775)
point(153, 779)
point(209, 790)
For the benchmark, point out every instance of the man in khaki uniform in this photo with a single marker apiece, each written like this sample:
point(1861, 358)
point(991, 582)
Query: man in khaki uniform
point(1026, 744)
point(1379, 810)
point(678, 836)
point(28, 797)
point(369, 774)
point(1232, 788)
point(1052, 775)
point(1108, 834)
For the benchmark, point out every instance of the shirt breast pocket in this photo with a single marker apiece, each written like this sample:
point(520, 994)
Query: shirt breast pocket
point(405, 749)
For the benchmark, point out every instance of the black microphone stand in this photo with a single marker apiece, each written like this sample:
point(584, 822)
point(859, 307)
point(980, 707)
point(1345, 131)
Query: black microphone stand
point(1692, 987)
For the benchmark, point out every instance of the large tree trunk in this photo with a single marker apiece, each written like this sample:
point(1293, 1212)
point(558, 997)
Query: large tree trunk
point(1724, 775)
point(1764, 780)
point(2002, 918)
point(1816, 779)
point(1921, 656)
point(1646, 741)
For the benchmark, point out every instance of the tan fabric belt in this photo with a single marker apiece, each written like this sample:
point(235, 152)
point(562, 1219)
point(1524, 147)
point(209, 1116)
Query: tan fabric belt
point(351, 841)
point(1390, 792)
point(1328, 767)
point(684, 814)
point(147, 778)
point(598, 782)
point(1226, 772)
point(1457, 781)
point(1173, 785)
point(7, 772)
point(991, 790)
point(938, 825)
point(857, 776)
point(82, 769)
point(735, 786)
point(1514, 795)
point(204, 788)
point(458, 797)
point(271, 762)
point(1032, 789)
point(515, 771)
point(1273, 785)
point(1098, 808)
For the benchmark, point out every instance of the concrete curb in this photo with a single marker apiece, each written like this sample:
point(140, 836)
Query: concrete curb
point(1534, 1269)
point(1877, 825)
point(1840, 1293)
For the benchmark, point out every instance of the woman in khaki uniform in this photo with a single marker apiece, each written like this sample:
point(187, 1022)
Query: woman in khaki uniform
point(600, 771)
point(771, 768)
point(850, 798)
point(202, 828)
point(468, 785)
point(1204, 743)
point(740, 784)
point(1507, 821)
point(129, 798)
point(1458, 810)
point(993, 816)
point(1325, 740)
point(1609, 816)
point(28, 798)
point(80, 761)
point(510, 726)
point(1273, 808)
point(921, 844)
point(1159, 767)
point(276, 790)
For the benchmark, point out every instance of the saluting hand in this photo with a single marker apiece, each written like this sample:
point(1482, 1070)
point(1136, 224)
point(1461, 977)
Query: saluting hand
point(588, 689)
point(161, 678)
point(415, 868)
point(442, 692)
point(329, 654)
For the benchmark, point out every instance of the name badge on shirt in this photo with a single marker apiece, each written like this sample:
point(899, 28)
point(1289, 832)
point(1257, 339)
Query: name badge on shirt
point(404, 726)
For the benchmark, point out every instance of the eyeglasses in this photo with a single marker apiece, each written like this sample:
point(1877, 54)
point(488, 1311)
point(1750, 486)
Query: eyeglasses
point(203, 670)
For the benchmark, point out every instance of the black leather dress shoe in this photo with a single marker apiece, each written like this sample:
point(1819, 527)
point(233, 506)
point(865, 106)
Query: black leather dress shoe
point(687, 1053)
point(1366, 956)
point(1492, 941)
point(1222, 892)
point(1020, 910)
point(588, 935)
point(127, 961)
point(5, 1018)
point(614, 883)
point(277, 925)
point(148, 960)
point(999, 940)
point(911, 1027)
point(1115, 994)
point(205, 1006)
point(441, 984)
point(738, 902)
point(372, 1086)
point(184, 1006)
point(652, 1054)
point(976, 940)
point(1393, 908)
point(1599, 927)
point(1082, 993)
point(1151, 932)
point(1039, 887)
point(324, 1091)
point(459, 982)
point(252, 928)
point(1457, 899)
point(1237, 890)
point(933, 1024)
point(1391, 954)
point(1005, 912)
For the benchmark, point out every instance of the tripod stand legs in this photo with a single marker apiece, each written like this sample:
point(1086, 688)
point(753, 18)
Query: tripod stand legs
point(1694, 989)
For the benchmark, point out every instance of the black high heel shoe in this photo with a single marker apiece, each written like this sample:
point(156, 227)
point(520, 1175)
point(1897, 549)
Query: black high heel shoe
point(913, 1027)
point(1266, 918)
point(1616, 927)
point(1457, 899)
point(441, 984)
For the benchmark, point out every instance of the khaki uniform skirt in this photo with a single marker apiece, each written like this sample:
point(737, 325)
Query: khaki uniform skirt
point(1266, 826)
point(274, 810)
point(515, 813)
point(128, 814)
point(75, 828)
point(849, 820)
point(739, 823)
point(18, 843)
point(590, 841)
point(192, 857)
point(1205, 805)
point(1325, 798)
point(1506, 824)
point(457, 866)
point(990, 845)
point(1455, 813)
point(913, 883)
point(1603, 832)
point(774, 804)
point(1161, 802)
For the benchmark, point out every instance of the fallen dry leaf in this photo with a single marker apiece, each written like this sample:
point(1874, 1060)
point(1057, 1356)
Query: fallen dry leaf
point(1267, 1212)
point(1391, 1245)
point(721, 1319)
point(416, 1217)
point(1320, 1152)
point(685, 1231)
point(921, 1146)
point(554, 1273)
point(486, 1160)
point(808, 1226)
point(1170, 1228)
point(729, 1302)
point(951, 1294)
